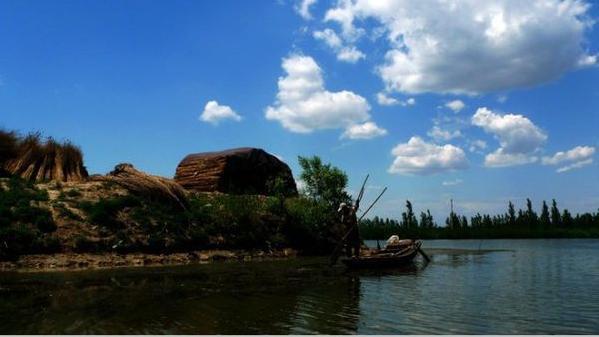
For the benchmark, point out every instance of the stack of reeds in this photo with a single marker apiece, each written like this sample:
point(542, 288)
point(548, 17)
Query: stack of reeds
point(34, 159)
point(147, 186)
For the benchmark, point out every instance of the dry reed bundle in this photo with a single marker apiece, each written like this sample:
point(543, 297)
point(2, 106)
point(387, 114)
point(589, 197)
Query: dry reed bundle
point(38, 160)
point(148, 186)
point(8, 148)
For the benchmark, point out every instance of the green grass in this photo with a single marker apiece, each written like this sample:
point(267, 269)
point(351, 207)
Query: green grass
point(24, 227)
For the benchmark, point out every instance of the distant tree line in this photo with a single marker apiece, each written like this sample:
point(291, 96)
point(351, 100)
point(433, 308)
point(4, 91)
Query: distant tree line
point(550, 223)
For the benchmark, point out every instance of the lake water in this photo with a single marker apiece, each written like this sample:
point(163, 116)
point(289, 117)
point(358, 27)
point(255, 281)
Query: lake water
point(470, 287)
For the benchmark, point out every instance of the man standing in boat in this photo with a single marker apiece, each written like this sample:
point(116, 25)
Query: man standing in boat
point(350, 223)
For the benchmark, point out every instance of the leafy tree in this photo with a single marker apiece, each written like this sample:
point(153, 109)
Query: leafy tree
point(409, 220)
point(426, 220)
point(453, 221)
point(544, 219)
point(323, 182)
point(464, 222)
point(567, 220)
point(531, 217)
point(511, 213)
point(556, 218)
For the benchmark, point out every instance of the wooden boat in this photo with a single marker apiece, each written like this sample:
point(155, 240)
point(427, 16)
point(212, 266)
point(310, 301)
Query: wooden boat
point(384, 259)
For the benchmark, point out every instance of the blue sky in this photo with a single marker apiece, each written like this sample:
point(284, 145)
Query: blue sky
point(366, 85)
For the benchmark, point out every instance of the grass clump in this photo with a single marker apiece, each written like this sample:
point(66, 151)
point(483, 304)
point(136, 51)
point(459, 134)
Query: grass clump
point(24, 226)
point(105, 211)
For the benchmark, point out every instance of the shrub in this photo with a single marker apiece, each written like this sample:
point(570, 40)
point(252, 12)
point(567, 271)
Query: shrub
point(104, 212)
point(16, 240)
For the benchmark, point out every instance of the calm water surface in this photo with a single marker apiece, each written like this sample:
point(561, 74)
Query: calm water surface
point(480, 287)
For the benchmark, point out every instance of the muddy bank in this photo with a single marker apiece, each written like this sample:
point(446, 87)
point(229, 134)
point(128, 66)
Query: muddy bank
point(75, 261)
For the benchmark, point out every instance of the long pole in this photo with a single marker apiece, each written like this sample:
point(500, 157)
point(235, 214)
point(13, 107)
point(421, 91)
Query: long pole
point(374, 202)
point(337, 249)
point(361, 193)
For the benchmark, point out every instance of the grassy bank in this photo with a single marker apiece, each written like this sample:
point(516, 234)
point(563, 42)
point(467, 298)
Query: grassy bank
point(96, 217)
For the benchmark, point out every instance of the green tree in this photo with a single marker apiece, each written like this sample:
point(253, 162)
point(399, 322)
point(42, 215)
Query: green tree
point(556, 218)
point(426, 220)
point(323, 182)
point(409, 220)
point(544, 219)
point(531, 217)
point(567, 220)
point(511, 214)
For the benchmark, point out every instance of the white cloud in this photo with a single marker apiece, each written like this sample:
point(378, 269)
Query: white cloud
point(416, 157)
point(500, 158)
point(329, 37)
point(344, 53)
point(367, 130)
point(576, 165)
point(383, 99)
point(575, 158)
point(214, 113)
point(452, 182)
point(575, 154)
point(350, 54)
point(303, 8)
point(477, 144)
point(518, 137)
point(304, 105)
point(455, 105)
point(439, 134)
point(486, 46)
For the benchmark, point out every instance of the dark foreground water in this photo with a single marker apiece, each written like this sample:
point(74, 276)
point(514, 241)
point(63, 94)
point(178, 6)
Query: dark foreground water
point(481, 287)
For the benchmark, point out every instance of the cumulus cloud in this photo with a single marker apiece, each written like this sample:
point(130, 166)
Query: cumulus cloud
point(439, 134)
point(477, 145)
point(304, 105)
point(329, 37)
point(417, 157)
point(487, 46)
point(344, 53)
point(214, 113)
point(499, 158)
point(303, 8)
point(576, 165)
point(575, 158)
point(518, 137)
point(575, 154)
point(384, 99)
point(455, 105)
point(350, 54)
point(367, 130)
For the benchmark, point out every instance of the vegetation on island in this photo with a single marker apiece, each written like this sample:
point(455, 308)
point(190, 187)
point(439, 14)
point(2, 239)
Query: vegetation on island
point(44, 210)
point(122, 215)
point(550, 223)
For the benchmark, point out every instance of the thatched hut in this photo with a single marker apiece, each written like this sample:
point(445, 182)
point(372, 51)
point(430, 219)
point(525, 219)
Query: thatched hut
point(236, 171)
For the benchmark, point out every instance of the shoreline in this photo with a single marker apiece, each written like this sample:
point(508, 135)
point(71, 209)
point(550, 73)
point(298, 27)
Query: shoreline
point(88, 261)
